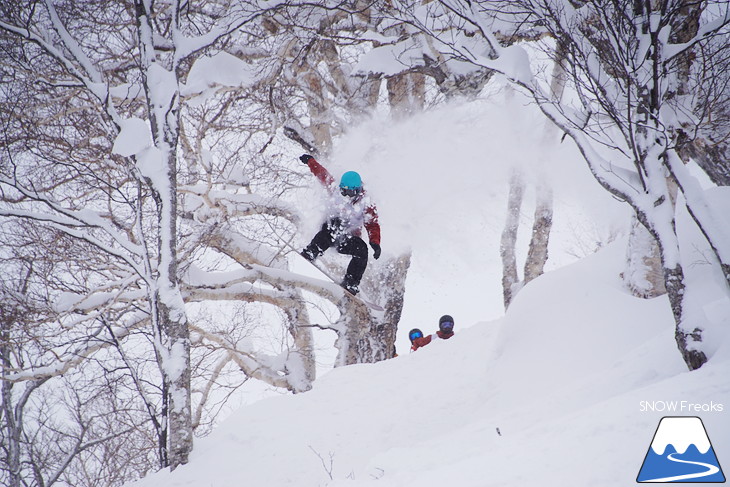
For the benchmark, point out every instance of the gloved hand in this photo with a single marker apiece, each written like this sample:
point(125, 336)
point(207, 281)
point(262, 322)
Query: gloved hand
point(376, 250)
point(305, 158)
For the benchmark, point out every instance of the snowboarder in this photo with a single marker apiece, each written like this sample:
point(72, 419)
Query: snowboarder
point(349, 210)
point(446, 331)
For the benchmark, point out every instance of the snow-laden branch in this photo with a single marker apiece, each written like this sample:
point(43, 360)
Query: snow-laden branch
point(209, 384)
point(99, 299)
point(76, 232)
point(705, 31)
point(620, 182)
point(255, 283)
point(514, 63)
point(252, 363)
point(88, 75)
point(73, 358)
point(511, 61)
point(713, 226)
point(73, 46)
point(48, 47)
point(79, 447)
point(77, 223)
point(243, 291)
point(234, 19)
point(238, 204)
point(244, 250)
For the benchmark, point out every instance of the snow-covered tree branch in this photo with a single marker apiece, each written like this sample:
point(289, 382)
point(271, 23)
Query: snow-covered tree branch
point(630, 65)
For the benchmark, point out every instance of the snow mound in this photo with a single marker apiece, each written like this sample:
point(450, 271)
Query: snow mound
point(550, 395)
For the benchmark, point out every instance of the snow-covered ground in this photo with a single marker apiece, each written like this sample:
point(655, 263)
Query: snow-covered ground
point(565, 377)
point(558, 392)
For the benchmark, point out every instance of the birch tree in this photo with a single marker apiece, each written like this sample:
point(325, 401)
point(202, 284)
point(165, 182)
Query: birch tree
point(127, 150)
point(314, 93)
point(102, 166)
point(413, 42)
point(626, 63)
point(87, 414)
point(15, 304)
point(50, 30)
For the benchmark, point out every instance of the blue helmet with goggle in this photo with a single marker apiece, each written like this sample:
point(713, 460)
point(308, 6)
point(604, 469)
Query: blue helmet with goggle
point(446, 324)
point(414, 333)
point(350, 184)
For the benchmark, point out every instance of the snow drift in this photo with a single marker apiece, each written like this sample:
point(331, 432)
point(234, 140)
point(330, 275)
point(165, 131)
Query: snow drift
point(547, 396)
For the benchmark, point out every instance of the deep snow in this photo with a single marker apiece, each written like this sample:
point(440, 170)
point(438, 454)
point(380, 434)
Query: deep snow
point(556, 393)
point(564, 376)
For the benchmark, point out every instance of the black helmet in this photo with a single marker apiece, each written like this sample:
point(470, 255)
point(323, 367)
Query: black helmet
point(414, 333)
point(446, 324)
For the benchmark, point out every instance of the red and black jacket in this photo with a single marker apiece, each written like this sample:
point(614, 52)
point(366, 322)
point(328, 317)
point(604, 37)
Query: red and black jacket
point(423, 341)
point(371, 222)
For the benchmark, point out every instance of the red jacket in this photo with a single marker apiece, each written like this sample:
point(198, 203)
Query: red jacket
point(423, 341)
point(371, 212)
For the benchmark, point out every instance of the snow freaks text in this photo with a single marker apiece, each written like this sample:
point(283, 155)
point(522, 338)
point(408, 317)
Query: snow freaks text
point(680, 407)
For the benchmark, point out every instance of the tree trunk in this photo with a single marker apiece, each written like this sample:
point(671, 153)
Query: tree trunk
point(712, 156)
point(12, 436)
point(163, 110)
point(644, 275)
point(508, 244)
point(661, 225)
point(176, 374)
point(13, 430)
point(686, 340)
point(387, 286)
point(368, 336)
point(361, 93)
point(711, 151)
point(406, 94)
point(318, 112)
point(12, 408)
point(301, 366)
point(356, 321)
point(537, 254)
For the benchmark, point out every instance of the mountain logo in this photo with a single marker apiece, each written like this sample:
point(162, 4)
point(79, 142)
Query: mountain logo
point(681, 452)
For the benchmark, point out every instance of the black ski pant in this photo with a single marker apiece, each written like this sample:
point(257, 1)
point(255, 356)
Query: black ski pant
point(332, 234)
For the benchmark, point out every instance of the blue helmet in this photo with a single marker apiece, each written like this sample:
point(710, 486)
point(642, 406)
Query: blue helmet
point(414, 333)
point(351, 180)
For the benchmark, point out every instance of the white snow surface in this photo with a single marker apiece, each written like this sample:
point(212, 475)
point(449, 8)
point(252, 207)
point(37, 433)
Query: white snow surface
point(562, 377)
point(134, 137)
point(221, 69)
point(551, 394)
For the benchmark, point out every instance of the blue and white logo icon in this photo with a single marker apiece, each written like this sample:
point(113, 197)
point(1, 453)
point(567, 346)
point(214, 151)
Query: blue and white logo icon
point(681, 452)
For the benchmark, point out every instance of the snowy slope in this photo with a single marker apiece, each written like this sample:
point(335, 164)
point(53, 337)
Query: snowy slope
point(562, 376)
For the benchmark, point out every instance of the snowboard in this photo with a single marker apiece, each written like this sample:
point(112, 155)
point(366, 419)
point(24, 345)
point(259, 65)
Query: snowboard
point(357, 297)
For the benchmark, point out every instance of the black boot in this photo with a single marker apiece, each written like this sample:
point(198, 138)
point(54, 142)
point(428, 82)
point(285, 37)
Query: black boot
point(308, 254)
point(321, 242)
point(351, 285)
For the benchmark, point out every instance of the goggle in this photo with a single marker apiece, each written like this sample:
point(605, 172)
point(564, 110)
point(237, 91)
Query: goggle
point(350, 191)
point(414, 335)
point(447, 325)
